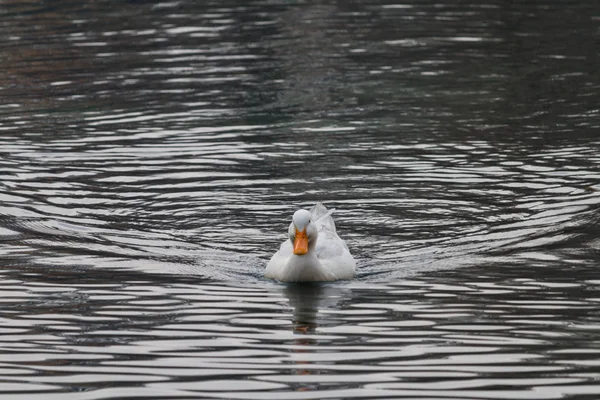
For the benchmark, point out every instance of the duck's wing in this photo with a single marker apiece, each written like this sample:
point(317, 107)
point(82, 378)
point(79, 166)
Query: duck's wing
point(334, 255)
point(329, 245)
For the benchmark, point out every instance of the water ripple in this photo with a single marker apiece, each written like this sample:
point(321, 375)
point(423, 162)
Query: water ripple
point(151, 156)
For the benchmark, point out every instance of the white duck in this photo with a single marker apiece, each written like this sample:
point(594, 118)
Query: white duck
point(314, 251)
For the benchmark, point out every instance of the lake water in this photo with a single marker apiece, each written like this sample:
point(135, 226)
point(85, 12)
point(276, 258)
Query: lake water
point(152, 154)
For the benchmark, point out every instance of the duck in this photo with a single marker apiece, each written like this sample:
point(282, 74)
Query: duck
point(314, 252)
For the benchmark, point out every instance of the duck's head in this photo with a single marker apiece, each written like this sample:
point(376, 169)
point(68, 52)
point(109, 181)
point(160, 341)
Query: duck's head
point(303, 232)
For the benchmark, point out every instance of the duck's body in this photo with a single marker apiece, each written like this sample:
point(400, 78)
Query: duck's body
point(314, 251)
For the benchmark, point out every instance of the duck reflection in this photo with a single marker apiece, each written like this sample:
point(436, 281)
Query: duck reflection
point(308, 302)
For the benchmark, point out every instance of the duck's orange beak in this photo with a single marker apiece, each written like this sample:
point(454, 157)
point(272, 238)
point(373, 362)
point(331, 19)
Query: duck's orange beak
point(300, 243)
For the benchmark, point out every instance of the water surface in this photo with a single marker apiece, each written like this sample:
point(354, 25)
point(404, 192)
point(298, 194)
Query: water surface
point(151, 156)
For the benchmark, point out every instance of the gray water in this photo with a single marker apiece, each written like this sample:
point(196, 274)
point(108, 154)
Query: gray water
point(152, 154)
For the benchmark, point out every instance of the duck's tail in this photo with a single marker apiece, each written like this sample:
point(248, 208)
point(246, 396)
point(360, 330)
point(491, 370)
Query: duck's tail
point(322, 216)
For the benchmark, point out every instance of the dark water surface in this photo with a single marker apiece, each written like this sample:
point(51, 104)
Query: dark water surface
point(151, 155)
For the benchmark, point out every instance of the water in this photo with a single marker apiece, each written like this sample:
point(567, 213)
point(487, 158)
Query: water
point(151, 156)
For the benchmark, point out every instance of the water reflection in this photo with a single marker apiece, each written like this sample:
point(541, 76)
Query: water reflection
point(459, 330)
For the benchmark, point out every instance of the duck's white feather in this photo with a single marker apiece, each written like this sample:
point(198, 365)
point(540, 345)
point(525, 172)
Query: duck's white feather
point(327, 260)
